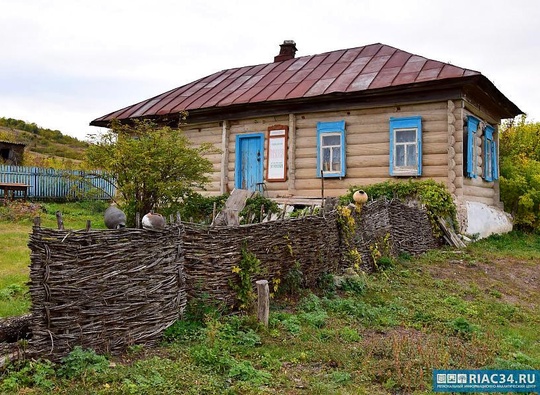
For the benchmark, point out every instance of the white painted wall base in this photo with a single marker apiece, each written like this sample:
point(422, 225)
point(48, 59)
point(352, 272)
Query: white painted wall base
point(485, 220)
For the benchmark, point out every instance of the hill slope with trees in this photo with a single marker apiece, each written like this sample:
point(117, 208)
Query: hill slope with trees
point(44, 147)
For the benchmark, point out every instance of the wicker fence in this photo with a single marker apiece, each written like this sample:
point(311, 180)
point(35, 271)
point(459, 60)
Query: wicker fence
point(104, 290)
point(109, 289)
point(406, 228)
point(308, 246)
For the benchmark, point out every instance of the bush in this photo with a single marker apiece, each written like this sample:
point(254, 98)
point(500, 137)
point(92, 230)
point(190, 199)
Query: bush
point(80, 362)
point(434, 196)
point(520, 172)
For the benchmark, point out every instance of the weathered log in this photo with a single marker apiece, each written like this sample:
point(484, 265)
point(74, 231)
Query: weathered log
point(15, 328)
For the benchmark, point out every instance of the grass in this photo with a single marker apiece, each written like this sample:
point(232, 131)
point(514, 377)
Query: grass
point(446, 309)
point(14, 252)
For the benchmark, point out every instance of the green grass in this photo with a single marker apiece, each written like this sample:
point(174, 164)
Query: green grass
point(447, 309)
point(15, 255)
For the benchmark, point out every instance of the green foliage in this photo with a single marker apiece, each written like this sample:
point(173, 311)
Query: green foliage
point(463, 328)
point(381, 253)
point(29, 373)
point(12, 291)
point(79, 363)
point(45, 147)
point(50, 135)
point(316, 319)
point(293, 281)
point(310, 303)
point(244, 371)
point(198, 208)
point(520, 172)
point(349, 335)
point(183, 330)
point(153, 167)
point(251, 213)
point(249, 266)
point(434, 196)
point(354, 285)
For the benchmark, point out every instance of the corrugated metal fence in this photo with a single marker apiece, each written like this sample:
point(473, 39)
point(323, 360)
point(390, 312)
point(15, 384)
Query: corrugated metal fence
point(58, 184)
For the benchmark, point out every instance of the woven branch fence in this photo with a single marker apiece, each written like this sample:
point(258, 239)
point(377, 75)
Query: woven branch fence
point(103, 289)
point(109, 289)
point(308, 245)
point(406, 227)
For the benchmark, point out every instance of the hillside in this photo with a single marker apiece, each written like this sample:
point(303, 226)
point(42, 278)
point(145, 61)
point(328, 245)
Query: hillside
point(42, 142)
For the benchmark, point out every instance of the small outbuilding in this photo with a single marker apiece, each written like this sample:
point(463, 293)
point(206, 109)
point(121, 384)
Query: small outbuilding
point(351, 117)
point(11, 153)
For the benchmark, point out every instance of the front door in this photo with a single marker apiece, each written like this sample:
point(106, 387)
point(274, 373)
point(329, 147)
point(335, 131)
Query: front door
point(249, 161)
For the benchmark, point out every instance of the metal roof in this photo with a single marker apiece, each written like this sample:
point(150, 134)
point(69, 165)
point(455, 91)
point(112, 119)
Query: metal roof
point(353, 70)
point(13, 143)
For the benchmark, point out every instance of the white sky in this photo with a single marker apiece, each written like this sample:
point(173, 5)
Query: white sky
point(64, 63)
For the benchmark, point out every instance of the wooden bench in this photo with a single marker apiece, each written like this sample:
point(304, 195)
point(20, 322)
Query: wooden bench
point(11, 187)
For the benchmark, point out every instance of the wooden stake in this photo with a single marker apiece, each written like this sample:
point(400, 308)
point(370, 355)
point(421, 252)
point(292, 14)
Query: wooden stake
point(263, 303)
point(88, 225)
point(37, 221)
point(59, 220)
point(137, 220)
point(322, 188)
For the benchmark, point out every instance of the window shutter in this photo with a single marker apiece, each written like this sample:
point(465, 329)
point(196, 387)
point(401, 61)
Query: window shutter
point(488, 147)
point(472, 126)
point(495, 157)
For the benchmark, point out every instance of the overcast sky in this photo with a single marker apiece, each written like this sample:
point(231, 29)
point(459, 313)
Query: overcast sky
point(64, 63)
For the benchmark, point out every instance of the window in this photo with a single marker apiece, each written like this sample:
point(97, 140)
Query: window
point(406, 146)
point(490, 155)
point(331, 149)
point(472, 149)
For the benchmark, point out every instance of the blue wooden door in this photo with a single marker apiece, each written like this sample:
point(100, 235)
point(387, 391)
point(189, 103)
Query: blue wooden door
point(249, 160)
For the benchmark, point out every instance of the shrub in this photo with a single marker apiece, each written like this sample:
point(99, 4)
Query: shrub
point(463, 328)
point(520, 172)
point(252, 211)
point(28, 374)
point(434, 196)
point(80, 362)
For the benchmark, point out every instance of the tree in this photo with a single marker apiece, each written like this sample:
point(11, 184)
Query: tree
point(520, 171)
point(153, 167)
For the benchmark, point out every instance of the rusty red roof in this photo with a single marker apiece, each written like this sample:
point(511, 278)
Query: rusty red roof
point(344, 71)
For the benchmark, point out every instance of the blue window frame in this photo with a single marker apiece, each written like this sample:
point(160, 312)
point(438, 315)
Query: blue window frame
point(406, 146)
point(472, 149)
point(331, 149)
point(491, 172)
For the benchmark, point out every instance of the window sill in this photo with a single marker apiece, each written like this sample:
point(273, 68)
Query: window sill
point(405, 173)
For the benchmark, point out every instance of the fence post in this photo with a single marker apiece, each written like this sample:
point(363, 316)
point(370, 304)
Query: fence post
point(263, 303)
point(59, 220)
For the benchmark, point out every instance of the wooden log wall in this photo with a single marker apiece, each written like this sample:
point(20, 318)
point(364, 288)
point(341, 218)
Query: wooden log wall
point(104, 290)
point(210, 133)
point(367, 147)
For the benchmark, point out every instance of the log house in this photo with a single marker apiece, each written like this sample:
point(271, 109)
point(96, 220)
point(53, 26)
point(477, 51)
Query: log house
point(354, 117)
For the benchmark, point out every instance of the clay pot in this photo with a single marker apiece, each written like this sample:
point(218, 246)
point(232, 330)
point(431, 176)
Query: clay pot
point(360, 197)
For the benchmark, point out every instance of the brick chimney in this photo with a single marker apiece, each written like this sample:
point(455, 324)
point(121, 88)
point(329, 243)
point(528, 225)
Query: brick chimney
point(287, 51)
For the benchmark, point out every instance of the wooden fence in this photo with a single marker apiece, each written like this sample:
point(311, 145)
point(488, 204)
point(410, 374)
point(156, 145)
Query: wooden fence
point(45, 184)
